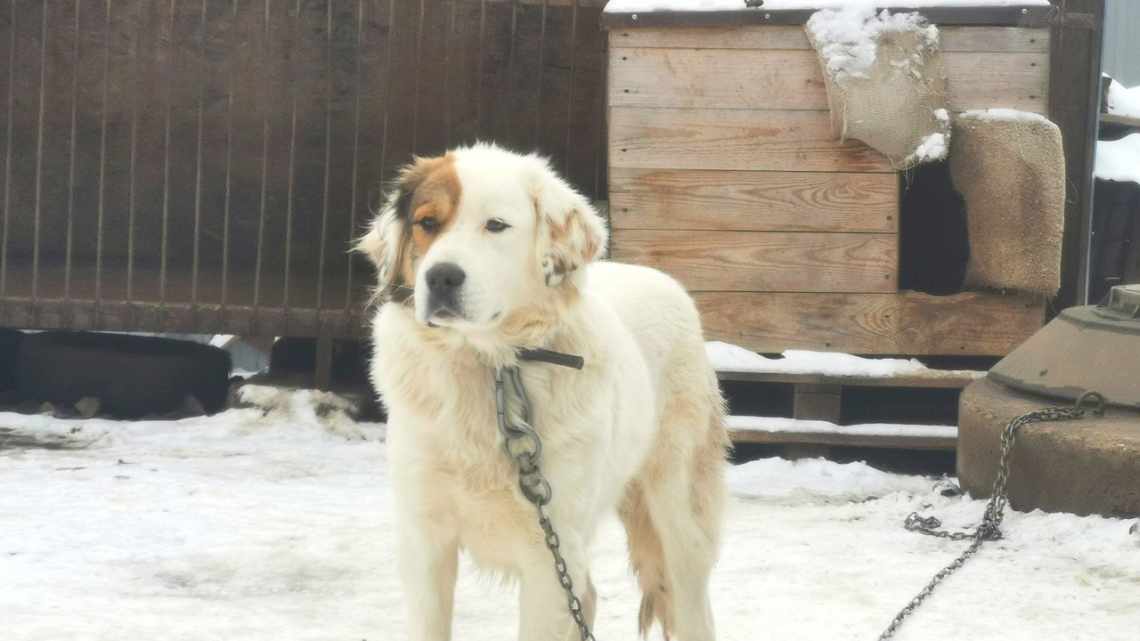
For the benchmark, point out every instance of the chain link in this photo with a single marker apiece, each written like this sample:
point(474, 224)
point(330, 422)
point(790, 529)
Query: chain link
point(990, 527)
point(524, 447)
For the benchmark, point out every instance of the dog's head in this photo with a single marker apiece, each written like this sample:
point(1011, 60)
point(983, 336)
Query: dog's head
point(480, 234)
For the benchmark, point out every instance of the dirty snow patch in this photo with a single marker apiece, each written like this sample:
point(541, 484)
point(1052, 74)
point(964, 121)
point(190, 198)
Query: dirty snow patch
point(1119, 160)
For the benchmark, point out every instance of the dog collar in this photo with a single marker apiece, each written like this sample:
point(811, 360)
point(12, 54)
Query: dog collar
point(554, 358)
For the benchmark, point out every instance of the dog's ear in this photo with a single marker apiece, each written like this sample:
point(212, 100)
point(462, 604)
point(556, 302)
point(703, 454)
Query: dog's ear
point(381, 245)
point(571, 233)
point(386, 241)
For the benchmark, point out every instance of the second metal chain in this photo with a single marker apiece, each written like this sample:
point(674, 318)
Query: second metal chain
point(524, 447)
point(990, 527)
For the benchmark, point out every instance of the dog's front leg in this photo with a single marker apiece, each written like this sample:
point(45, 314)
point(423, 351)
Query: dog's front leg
point(543, 611)
point(428, 567)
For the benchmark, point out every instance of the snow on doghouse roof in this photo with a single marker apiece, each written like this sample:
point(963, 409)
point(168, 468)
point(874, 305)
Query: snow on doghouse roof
point(648, 6)
point(1121, 100)
point(1119, 160)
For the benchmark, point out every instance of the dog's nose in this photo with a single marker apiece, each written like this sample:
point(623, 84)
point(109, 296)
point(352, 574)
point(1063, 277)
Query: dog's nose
point(445, 278)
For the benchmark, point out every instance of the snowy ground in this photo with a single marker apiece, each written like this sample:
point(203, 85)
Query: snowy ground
point(279, 528)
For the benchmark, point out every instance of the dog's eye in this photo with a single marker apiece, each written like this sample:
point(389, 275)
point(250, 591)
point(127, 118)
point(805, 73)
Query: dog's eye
point(428, 224)
point(496, 225)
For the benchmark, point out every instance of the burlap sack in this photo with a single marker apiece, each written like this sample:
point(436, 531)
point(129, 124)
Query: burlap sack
point(886, 84)
point(1010, 169)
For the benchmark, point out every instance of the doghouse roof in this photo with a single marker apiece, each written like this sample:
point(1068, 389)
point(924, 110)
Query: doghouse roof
point(689, 13)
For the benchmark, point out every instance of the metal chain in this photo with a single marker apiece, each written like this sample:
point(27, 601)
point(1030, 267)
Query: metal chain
point(990, 527)
point(524, 447)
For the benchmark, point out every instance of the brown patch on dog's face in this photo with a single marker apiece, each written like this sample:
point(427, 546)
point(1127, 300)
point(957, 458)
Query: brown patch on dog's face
point(429, 200)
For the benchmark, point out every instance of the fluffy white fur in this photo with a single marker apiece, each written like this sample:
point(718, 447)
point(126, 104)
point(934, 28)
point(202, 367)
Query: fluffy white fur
point(638, 429)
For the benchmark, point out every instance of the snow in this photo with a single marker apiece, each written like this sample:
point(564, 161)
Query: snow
point(847, 39)
point(1122, 101)
point(802, 426)
point(726, 357)
point(1004, 114)
point(633, 6)
point(275, 522)
point(1119, 160)
point(932, 147)
point(779, 480)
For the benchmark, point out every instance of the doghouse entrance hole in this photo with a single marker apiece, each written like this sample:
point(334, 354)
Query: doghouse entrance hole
point(934, 244)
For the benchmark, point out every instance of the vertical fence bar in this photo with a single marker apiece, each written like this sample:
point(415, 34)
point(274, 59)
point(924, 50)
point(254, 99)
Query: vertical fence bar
point(69, 234)
point(328, 160)
point(229, 167)
point(8, 151)
point(131, 159)
point(294, 27)
point(166, 164)
point(39, 163)
point(505, 108)
point(600, 154)
point(447, 75)
point(416, 79)
point(203, 69)
point(356, 80)
point(102, 206)
point(573, 74)
point(264, 178)
point(388, 83)
point(541, 69)
point(479, 69)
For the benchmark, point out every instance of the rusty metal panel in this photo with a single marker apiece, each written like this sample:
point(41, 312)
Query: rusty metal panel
point(202, 165)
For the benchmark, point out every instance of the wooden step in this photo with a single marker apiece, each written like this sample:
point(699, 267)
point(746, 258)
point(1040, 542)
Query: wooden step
point(931, 379)
point(790, 431)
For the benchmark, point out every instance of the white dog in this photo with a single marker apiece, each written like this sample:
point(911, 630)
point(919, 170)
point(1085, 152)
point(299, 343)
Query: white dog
point(479, 253)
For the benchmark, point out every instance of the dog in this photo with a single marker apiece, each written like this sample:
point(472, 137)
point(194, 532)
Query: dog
point(483, 251)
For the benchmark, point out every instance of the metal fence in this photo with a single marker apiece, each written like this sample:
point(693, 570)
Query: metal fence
point(201, 165)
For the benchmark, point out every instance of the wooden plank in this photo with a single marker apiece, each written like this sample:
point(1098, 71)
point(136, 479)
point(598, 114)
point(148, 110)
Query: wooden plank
point(723, 37)
point(766, 261)
point(936, 379)
point(753, 200)
point(913, 323)
point(848, 436)
point(783, 79)
point(1012, 15)
point(735, 139)
point(995, 39)
point(986, 80)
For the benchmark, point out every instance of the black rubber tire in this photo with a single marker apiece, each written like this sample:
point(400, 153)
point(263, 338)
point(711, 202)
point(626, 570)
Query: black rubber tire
point(132, 376)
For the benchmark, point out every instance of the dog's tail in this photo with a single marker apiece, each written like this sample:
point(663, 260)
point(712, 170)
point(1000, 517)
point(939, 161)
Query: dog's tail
point(648, 562)
point(651, 609)
point(672, 514)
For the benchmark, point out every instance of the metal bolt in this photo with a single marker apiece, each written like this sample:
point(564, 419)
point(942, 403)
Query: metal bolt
point(634, 17)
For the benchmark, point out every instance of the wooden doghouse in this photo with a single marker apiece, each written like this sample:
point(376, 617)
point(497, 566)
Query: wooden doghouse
point(724, 173)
